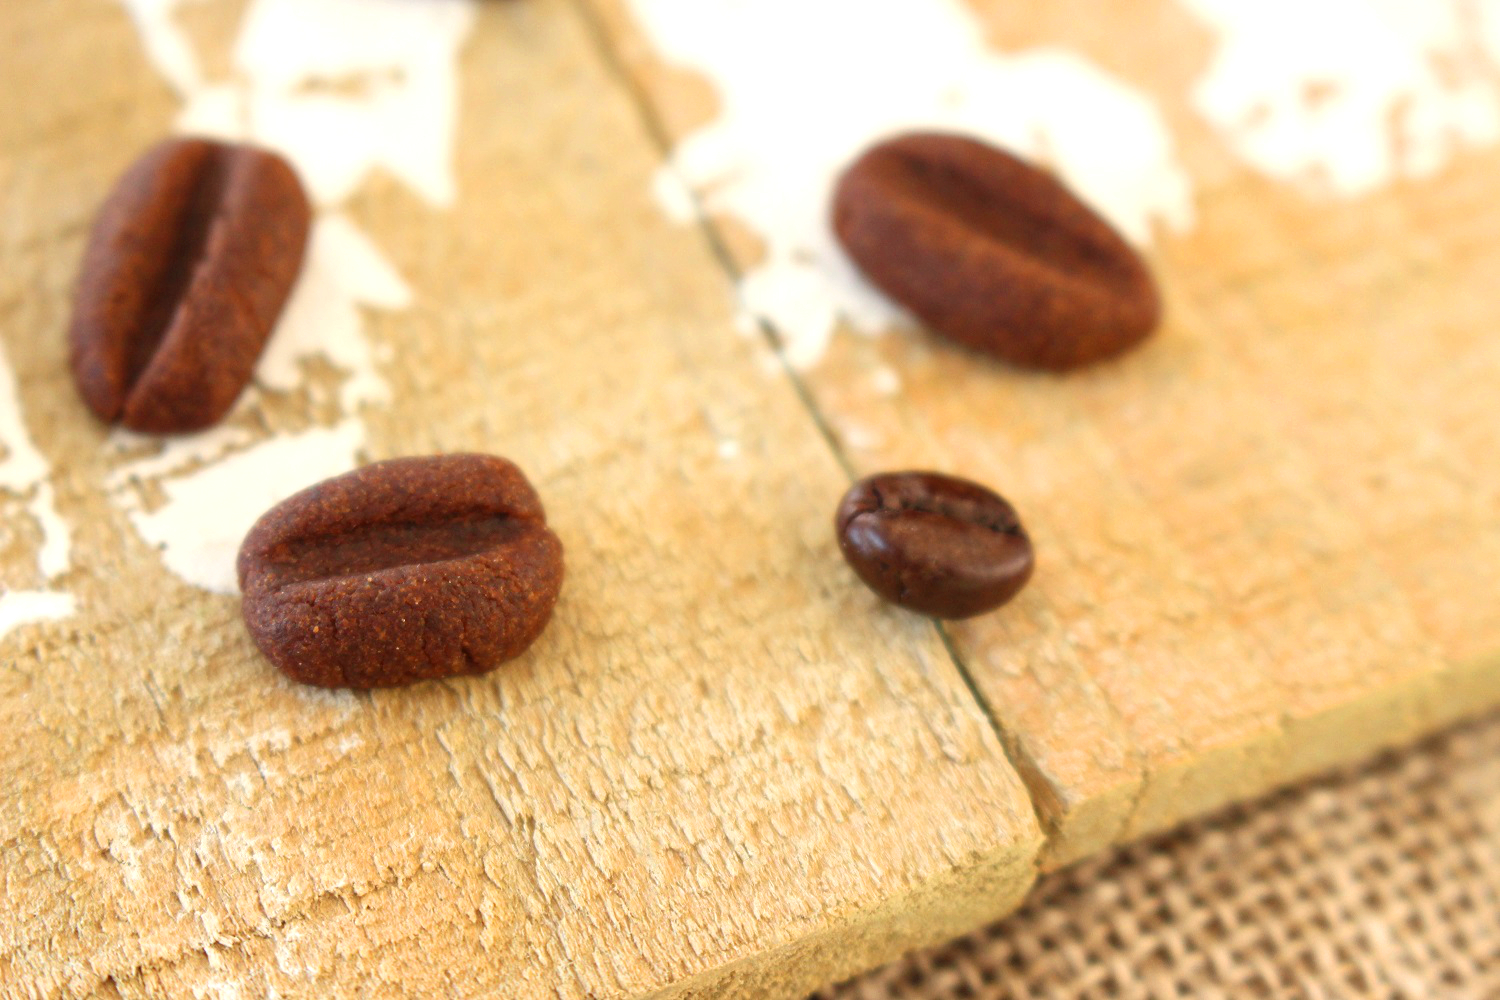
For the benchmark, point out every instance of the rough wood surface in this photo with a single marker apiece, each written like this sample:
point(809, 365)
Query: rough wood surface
point(1267, 543)
point(1262, 539)
point(721, 772)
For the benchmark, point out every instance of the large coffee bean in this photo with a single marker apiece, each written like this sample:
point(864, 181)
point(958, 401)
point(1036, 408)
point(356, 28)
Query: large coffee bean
point(186, 272)
point(401, 571)
point(993, 253)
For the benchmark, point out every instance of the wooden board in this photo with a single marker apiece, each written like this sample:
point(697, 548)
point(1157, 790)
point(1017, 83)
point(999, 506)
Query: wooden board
point(1267, 543)
point(716, 775)
point(1262, 539)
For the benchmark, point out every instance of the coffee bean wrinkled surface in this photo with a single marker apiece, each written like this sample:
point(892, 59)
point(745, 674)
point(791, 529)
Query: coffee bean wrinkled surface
point(401, 571)
point(188, 266)
point(993, 253)
point(933, 543)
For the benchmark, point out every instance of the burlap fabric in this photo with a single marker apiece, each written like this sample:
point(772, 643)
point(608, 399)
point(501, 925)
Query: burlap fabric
point(1380, 882)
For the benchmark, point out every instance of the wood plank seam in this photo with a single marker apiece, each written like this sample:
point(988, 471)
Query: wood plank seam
point(1037, 786)
point(203, 836)
point(1279, 750)
point(1047, 814)
point(657, 133)
point(565, 828)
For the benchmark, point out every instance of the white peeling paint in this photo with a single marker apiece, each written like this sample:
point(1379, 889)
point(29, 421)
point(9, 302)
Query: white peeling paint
point(344, 271)
point(674, 197)
point(342, 88)
point(167, 45)
point(886, 381)
point(28, 607)
point(804, 87)
point(179, 453)
point(221, 500)
point(859, 437)
point(1346, 96)
point(25, 480)
point(1486, 15)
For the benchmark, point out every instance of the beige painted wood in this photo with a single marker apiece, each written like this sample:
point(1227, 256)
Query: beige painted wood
point(1267, 542)
point(722, 772)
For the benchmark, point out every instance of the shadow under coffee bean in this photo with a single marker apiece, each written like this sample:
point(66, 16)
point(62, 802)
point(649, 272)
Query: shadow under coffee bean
point(405, 570)
point(937, 544)
point(189, 264)
point(993, 253)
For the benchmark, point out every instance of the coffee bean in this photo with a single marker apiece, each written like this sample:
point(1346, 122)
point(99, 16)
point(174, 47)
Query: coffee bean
point(993, 253)
point(401, 571)
point(188, 266)
point(933, 543)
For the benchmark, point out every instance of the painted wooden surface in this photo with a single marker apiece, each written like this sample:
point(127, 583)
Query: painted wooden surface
point(1262, 538)
point(1266, 544)
point(720, 772)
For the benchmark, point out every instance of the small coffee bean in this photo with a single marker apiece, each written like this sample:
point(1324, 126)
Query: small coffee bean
point(189, 264)
point(993, 253)
point(933, 543)
point(401, 571)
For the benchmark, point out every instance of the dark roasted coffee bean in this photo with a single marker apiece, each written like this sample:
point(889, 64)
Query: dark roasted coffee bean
point(401, 571)
point(188, 266)
point(936, 544)
point(993, 253)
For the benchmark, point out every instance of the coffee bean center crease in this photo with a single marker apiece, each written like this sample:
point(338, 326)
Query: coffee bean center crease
point(200, 212)
point(1020, 225)
point(375, 548)
point(965, 511)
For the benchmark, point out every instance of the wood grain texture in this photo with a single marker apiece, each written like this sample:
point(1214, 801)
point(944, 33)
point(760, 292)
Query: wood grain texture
point(723, 770)
point(1267, 541)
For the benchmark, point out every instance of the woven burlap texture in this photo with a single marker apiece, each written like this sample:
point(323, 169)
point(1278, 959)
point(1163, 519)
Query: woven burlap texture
point(1380, 882)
